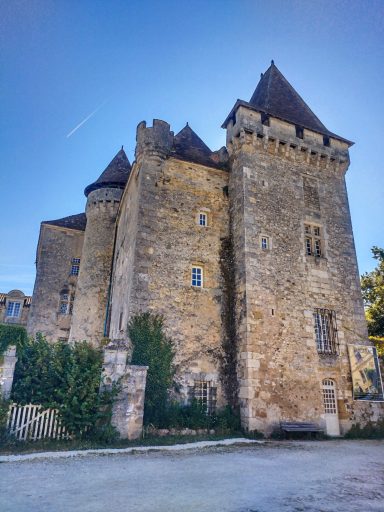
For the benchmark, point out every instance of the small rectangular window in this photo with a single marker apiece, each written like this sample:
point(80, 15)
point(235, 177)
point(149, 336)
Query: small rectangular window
point(197, 277)
point(203, 219)
point(299, 132)
point(264, 242)
point(313, 242)
point(13, 309)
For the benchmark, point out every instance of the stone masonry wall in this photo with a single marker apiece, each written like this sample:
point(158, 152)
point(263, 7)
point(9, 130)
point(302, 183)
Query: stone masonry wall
point(279, 183)
point(57, 246)
point(168, 242)
point(8, 362)
point(128, 407)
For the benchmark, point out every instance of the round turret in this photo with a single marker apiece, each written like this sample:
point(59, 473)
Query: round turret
point(103, 199)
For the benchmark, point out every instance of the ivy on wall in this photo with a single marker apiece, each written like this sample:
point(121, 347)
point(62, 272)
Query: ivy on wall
point(229, 344)
point(12, 335)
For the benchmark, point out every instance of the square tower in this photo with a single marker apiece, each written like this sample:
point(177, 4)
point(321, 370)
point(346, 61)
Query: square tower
point(298, 300)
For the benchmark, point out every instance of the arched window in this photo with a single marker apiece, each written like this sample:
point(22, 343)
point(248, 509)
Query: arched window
point(329, 396)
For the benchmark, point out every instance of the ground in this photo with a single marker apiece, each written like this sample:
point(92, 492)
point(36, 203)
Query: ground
point(319, 476)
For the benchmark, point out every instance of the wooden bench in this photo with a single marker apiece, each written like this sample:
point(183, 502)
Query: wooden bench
point(290, 427)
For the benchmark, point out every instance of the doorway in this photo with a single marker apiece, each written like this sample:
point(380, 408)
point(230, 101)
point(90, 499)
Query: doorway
point(330, 408)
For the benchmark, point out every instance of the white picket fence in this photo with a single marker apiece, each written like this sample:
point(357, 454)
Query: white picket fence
point(31, 422)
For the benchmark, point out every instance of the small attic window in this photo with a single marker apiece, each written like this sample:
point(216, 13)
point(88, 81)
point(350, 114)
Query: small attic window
point(264, 119)
point(326, 141)
point(299, 132)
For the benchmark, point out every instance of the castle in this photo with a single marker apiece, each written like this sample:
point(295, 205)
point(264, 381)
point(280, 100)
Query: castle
point(247, 252)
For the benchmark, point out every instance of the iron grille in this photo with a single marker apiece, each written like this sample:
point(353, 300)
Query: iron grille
point(327, 341)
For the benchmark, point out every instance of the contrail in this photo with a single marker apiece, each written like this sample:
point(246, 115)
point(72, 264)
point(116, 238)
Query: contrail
point(85, 120)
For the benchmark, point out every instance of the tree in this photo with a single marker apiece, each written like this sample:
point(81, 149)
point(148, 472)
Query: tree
point(372, 285)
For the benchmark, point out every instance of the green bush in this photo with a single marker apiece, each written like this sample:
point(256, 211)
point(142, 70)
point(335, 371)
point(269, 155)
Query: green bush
point(4, 408)
point(152, 348)
point(67, 378)
point(12, 335)
point(369, 431)
point(193, 416)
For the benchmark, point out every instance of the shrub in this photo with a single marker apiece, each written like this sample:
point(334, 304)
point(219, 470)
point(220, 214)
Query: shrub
point(176, 415)
point(369, 431)
point(152, 348)
point(67, 378)
point(4, 408)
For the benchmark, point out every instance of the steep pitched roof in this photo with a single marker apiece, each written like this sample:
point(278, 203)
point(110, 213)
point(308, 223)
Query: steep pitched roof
point(188, 146)
point(115, 174)
point(274, 95)
point(78, 222)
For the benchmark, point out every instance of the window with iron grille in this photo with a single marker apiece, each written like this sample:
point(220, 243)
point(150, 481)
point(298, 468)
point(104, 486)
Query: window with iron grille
point(326, 331)
point(205, 393)
point(13, 309)
point(313, 242)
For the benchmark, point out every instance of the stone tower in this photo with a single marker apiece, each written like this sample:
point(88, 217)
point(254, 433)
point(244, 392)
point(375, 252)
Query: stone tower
point(295, 262)
point(91, 300)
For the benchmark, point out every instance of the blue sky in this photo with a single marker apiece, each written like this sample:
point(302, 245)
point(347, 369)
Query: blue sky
point(178, 61)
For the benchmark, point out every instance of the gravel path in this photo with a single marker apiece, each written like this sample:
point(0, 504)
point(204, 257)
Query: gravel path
point(328, 476)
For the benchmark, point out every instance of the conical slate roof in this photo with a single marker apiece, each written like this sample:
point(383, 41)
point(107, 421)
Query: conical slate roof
point(187, 145)
point(114, 176)
point(274, 95)
point(78, 222)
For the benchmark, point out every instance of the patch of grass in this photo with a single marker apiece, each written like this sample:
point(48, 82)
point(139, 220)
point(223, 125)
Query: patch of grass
point(12, 447)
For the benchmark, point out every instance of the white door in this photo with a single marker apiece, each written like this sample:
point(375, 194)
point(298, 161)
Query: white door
point(330, 408)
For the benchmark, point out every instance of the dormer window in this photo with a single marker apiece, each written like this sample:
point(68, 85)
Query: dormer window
point(13, 309)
